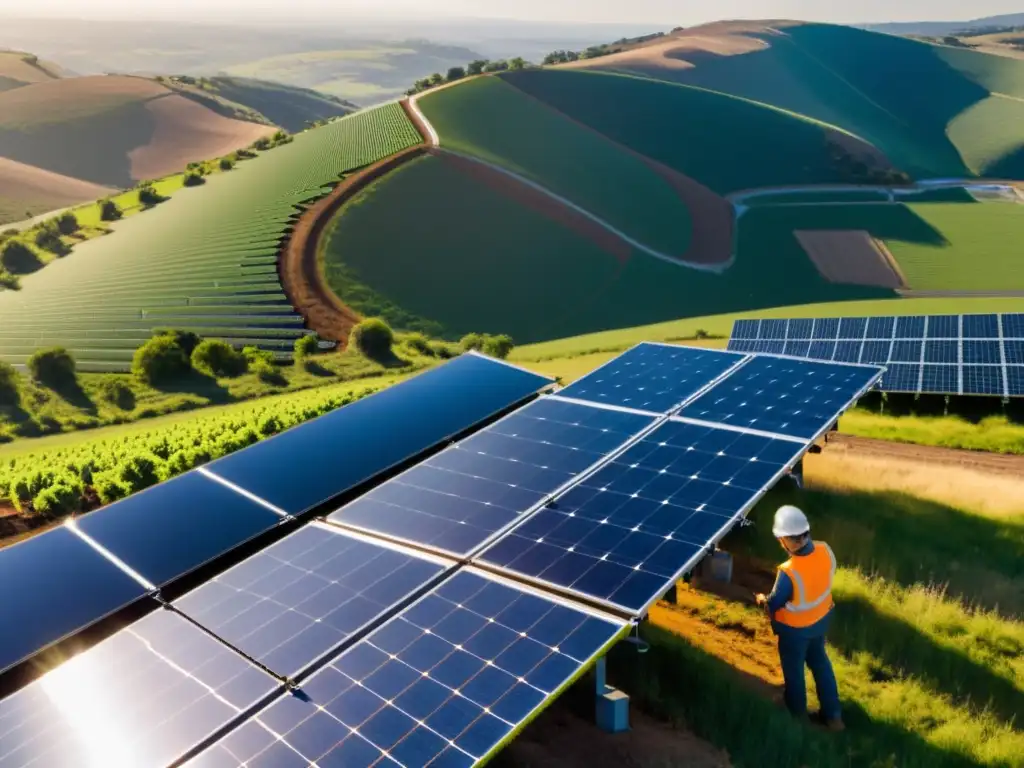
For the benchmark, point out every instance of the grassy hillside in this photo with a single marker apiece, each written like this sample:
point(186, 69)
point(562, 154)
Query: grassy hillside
point(489, 119)
point(726, 143)
point(205, 260)
point(510, 269)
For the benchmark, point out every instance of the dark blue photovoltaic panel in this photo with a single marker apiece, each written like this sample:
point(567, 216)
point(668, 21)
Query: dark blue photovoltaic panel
point(790, 397)
point(1013, 326)
point(942, 352)
point(316, 461)
point(910, 327)
point(628, 530)
point(652, 377)
point(981, 326)
point(65, 585)
point(291, 603)
point(875, 352)
point(797, 348)
point(442, 684)
point(880, 327)
point(906, 351)
point(773, 329)
point(982, 352)
point(770, 347)
point(1014, 351)
point(822, 350)
point(848, 352)
point(852, 327)
point(177, 526)
point(826, 328)
point(941, 378)
point(1015, 380)
point(800, 329)
point(983, 379)
point(455, 500)
point(900, 377)
point(144, 697)
point(745, 329)
point(944, 327)
point(742, 345)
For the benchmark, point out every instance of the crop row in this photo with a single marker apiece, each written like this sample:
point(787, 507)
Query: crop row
point(205, 260)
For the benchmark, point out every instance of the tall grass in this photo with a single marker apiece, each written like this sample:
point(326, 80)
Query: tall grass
point(995, 433)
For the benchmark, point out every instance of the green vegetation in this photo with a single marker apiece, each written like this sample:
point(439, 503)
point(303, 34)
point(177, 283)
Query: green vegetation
point(160, 360)
point(53, 367)
point(373, 337)
point(219, 359)
point(199, 261)
point(996, 434)
point(734, 144)
point(496, 346)
point(491, 120)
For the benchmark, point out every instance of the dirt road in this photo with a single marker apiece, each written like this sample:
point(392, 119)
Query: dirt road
point(989, 462)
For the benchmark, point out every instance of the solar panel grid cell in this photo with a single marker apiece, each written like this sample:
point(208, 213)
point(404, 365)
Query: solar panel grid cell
point(943, 351)
point(981, 326)
point(983, 380)
point(1014, 351)
point(906, 351)
point(848, 352)
point(910, 327)
point(797, 348)
point(291, 603)
point(772, 329)
point(981, 352)
point(902, 377)
point(457, 499)
point(880, 327)
point(442, 684)
point(800, 329)
point(1015, 380)
point(852, 328)
point(1013, 326)
point(745, 329)
point(826, 328)
point(943, 327)
point(940, 378)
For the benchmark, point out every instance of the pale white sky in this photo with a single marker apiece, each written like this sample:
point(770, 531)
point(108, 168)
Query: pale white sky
point(672, 12)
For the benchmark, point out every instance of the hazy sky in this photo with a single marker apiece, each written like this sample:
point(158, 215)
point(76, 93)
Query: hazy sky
point(633, 11)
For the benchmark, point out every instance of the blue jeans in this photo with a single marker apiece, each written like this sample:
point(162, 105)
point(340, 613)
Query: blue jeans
point(795, 651)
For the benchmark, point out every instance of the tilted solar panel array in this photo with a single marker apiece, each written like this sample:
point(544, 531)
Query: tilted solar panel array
point(939, 354)
point(388, 633)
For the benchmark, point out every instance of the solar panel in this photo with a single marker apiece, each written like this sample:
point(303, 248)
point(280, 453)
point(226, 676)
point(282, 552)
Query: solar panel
point(143, 697)
point(290, 604)
point(457, 499)
point(316, 461)
point(175, 527)
point(773, 329)
point(745, 329)
point(1015, 380)
point(627, 532)
point(446, 683)
point(919, 350)
point(56, 585)
point(779, 395)
point(826, 328)
point(652, 377)
point(800, 329)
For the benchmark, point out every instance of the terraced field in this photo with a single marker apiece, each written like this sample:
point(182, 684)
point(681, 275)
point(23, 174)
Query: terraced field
point(204, 260)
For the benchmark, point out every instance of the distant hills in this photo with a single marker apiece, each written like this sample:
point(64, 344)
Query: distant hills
point(936, 28)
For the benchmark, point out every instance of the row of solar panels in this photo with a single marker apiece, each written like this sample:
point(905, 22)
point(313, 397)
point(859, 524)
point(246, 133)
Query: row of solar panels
point(608, 492)
point(938, 354)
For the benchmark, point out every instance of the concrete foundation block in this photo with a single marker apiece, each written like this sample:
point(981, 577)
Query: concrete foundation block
point(613, 711)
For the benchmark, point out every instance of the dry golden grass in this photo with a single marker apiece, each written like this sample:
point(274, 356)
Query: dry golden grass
point(960, 487)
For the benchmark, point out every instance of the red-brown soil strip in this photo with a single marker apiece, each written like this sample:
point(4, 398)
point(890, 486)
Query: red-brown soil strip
point(1003, 464)
point(299, 269)
point(851, 257)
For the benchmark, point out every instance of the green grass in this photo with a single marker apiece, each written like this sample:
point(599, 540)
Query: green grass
point(995, 433)
point(989, 138)
point(205, 260)
point(489, 119)
point(289, 106)
point(724, 142)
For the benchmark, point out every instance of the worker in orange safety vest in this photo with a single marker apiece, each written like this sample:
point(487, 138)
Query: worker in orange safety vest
point(800, 607)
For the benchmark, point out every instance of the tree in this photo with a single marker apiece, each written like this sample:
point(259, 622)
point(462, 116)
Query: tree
point(54, 367)
point(496, 66)
point(499, 346)
point(109, 210)
point(226, 164)
point(148, 196)
point(262, 143)
point(422, 84)
point(18, 259)
point(455, 73)
point(9, 394)
point(306, 346)
point(67, 223)
point(476, 67)
point(218, 358)
point(159, 360)
point(48, 238)
point(373, 337)
point(193, 179)
point(517, 63)
point(187, 340)
point(436, 79)
point(472, 341)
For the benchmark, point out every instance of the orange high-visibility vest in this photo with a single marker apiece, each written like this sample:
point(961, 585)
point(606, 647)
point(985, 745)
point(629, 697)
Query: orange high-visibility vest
point(811, 576)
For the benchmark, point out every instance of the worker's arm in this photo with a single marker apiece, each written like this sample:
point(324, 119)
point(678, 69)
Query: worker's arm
point(781, 594)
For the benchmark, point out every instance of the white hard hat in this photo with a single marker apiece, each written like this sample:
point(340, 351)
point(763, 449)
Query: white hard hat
point(790, 521)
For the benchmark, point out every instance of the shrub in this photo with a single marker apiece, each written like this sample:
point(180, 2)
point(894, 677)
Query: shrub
point(244, 154)
point(67, 223)
point(278, 137)
point(444, 351)
point(268, 373)
point(218, 358)
point(373, 337)
point(48, 238)
point(54, 367)
point(702, 334)
point(226, 164)
point(472, 341)
point(140, 472)
point(9, 281)
point(117, 393)
point(194, 179)
point(187, 340)
point(498, 346)
point(59, 499)
point(8, 385)
point(255, 355)
point(109, 487)
point(269, 425)
point(417, 342)
point(18, 258)
point(148, 196)
point(160, 359)
point(12, 232)
point(306, 346)
point(109, 210)
point(261, 143)
point(455, 73)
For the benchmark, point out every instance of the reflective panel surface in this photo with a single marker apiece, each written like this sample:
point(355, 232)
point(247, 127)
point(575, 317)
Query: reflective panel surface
point(291, 603)
point(172, 528)
point(442, 684)
point(58, 585)
point(140, 699)
point(652, 377)
point(455, 500)
point(313, 462)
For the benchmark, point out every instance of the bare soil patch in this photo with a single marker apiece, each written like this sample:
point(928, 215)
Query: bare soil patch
point(997, 463)
point(188, 132)
point(851, 257)
point(57, 101)
point(26, 182)
point(15, 66)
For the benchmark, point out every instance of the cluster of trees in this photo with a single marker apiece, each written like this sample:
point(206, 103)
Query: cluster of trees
point(477, 67)
point(172, 354)
point(264, 143)
point(856, 170)
point(563, 56)
point(53, 367)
